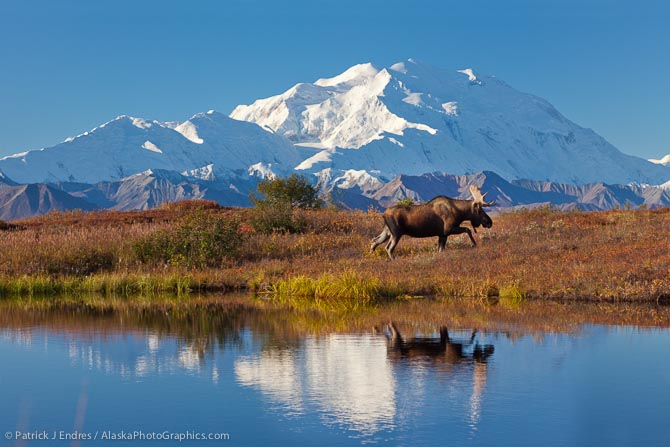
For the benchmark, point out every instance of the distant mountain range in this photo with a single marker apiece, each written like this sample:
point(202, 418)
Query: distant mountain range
point(152, 188)
point(367, 137)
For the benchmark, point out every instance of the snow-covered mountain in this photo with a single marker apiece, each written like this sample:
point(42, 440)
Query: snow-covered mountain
point(368, 136)
point(124, 146)
point(411, 118)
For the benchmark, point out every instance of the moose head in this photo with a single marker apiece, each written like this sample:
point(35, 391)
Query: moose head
point(479, 216)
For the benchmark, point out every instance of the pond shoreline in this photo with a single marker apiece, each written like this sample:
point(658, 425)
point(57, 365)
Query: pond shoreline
point(347, 286)
point(419, 314)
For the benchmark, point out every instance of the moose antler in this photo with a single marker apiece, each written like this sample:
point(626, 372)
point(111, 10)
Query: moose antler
point(479, 197)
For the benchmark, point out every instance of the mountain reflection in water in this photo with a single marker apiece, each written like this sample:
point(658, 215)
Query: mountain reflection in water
point(351, 377)
point(347, 377)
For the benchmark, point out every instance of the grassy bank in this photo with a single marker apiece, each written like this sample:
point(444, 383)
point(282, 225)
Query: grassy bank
point(614, 256)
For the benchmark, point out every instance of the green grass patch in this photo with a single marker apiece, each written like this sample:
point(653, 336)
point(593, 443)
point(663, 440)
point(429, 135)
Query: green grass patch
point(512, 295)
point(347, 291)
point(103, 284)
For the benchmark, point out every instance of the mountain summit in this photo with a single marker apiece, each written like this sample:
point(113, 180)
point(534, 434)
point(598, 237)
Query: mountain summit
point(412, 118)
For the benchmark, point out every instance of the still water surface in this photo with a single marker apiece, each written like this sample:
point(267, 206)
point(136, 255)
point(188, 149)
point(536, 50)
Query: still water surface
point(260, 385)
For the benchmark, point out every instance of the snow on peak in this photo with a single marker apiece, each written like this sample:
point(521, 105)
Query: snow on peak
point(413, 98)
point(355, 75)
point(204, 173)
point(451, 108)
point(148, 145)
point(411, 67)
point(121, 120)
point(399, 67)
point(665, 161)
point(262, 170)
point(19, 155)
point(358, 178)
point(141, 123)
point(145, 173)
point(347, 111)
point(189, 131)
point(471, 76)
point(324, 156)
point(170, 124)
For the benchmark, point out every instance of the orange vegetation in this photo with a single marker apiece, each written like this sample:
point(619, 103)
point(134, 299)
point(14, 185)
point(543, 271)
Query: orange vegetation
point(619, 255)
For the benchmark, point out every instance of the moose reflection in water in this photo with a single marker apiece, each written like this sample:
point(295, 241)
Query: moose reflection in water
point(443, 351)
point(445, 355)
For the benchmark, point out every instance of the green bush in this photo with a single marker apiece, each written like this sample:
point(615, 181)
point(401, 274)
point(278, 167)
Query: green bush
point(278, 201)
point(407, 201)
point(200, 239)
point(294, 191)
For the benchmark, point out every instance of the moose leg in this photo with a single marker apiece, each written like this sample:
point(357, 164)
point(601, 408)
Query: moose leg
point(441, 243)
point(383, 237)
point(461, 230)
point(391, 245)
point(444, 335)
point(395, 333)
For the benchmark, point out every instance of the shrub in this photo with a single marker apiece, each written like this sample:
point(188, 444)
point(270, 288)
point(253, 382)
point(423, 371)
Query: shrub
point(294, 191)
point(275, 210)
point(407, 201)
point(200, 239)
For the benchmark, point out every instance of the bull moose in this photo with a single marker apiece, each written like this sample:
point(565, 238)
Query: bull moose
point(441, 217)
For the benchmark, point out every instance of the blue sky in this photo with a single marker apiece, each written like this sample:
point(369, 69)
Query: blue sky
point(67, 66)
